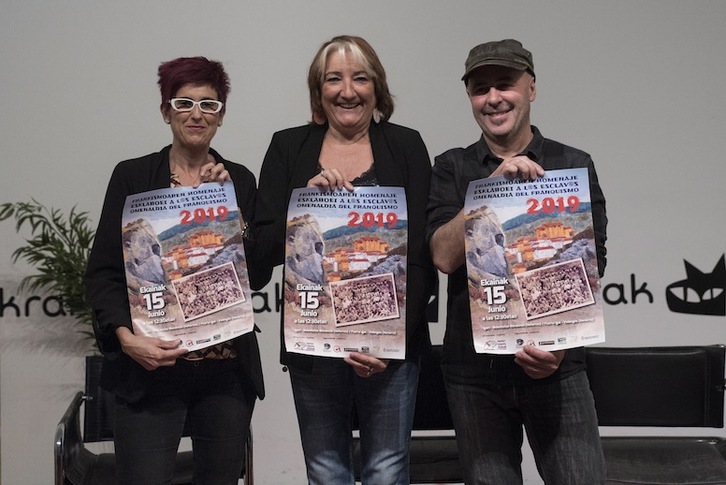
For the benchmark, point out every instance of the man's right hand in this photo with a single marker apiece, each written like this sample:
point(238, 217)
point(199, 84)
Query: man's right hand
point(447, 245)
point(151, 353)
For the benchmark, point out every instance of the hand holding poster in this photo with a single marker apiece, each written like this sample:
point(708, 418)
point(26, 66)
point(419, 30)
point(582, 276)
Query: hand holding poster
point(345, 272)
point(185, 265)
point(532, 264)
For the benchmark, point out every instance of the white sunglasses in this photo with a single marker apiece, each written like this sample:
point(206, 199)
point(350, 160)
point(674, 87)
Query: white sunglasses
point(205, 105)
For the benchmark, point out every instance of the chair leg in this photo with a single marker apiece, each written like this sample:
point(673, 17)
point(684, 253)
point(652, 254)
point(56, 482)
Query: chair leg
point(249, 471)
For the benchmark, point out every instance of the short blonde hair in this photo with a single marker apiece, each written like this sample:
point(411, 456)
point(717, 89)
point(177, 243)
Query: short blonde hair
point(363, 53)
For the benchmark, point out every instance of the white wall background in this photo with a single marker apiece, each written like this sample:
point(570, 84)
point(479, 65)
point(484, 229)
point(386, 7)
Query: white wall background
point(637, 84)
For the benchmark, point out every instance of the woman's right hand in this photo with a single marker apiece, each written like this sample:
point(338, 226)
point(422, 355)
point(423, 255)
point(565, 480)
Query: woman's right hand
point(330, 179)
point(151, 353)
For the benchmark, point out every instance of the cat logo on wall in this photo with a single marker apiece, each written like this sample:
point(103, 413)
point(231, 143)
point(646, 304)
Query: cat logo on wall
point(700, 293)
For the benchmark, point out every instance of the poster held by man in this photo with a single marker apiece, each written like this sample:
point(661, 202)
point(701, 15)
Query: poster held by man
point(532, 264)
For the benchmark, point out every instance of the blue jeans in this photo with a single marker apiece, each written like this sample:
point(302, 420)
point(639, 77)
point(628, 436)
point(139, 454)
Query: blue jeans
point(385, 403)
point(217, 405)
point(559, 417)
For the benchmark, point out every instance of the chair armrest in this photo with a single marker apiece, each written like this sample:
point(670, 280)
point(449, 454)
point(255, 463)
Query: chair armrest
point(68, 440)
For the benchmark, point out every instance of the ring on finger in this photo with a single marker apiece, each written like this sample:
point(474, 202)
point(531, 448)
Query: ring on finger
point(322, 173)
point(370, 371)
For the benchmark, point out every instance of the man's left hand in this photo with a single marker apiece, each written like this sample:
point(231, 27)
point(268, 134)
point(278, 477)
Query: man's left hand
point(520, 166)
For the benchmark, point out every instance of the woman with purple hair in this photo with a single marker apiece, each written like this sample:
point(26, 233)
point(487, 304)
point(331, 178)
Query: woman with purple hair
point(160, 387)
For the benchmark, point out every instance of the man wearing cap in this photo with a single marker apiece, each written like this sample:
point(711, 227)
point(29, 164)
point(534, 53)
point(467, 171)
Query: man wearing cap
point(493, 396)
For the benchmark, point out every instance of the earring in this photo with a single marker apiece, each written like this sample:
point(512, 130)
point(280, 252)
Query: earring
point(319, 118)
point(376, 115)
point(167, 121)
point(219, 124)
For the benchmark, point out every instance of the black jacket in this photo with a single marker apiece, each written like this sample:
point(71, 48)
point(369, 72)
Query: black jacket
point(400, 159)
point(106, 281)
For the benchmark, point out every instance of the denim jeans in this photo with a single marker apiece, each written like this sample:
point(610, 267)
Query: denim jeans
point(559, 417)
point(211, 396)
point(385, 403)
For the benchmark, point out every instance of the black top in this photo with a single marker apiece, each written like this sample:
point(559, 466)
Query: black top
point(106, 279)
point(400, 159)
point(451, 174)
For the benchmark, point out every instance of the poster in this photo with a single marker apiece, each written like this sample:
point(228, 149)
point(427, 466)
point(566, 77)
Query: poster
point(531, 263)
point(186, 271)
point(345, 272)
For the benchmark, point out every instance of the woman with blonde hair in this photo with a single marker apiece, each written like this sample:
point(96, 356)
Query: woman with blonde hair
point(350, 142)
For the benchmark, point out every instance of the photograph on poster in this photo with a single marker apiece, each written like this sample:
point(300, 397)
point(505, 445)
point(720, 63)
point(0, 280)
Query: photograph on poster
point(555, 289)
point(208, 291)
point(362, 300)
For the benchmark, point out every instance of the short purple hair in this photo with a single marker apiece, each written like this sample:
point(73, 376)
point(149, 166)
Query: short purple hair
point(198, 71)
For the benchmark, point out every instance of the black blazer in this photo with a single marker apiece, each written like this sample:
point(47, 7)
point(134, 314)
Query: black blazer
point(400, 159)
point(106, 281)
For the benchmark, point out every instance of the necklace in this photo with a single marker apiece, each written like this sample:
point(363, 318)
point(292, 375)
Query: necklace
point(175, 181)
point(179, 177)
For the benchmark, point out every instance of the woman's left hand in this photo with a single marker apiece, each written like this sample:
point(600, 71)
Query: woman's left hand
point(213, 172)
point(330, 179)
point(366, 365)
